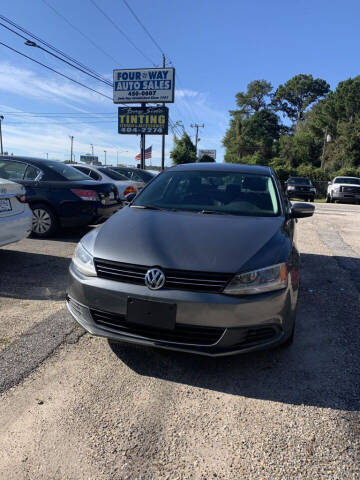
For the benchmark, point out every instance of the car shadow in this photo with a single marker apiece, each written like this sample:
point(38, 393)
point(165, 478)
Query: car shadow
point(70, 235)
point(321, 368)
point(33, 276)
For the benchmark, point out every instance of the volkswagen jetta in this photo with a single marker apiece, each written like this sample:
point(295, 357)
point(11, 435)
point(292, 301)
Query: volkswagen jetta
point(203, 260)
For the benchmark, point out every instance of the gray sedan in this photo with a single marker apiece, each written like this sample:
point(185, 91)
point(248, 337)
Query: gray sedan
point(203, 260)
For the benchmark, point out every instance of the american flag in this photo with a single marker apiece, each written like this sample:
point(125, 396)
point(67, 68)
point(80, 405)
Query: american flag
point(148, 153)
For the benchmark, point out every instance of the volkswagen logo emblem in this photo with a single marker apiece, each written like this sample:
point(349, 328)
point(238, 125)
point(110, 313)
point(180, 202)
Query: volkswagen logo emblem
point(154, 279)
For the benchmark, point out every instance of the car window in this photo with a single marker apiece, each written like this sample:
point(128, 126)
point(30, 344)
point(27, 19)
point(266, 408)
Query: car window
point(11, 170)
point(94, 175)
point(31, 173)
point(65, 171)
point(219, 192)
point(114, 175)
point(84, 170)
point(348, 180)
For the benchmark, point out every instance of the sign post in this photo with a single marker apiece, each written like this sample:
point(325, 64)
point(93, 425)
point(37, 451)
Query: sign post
point(210, 153)
point(144, 85)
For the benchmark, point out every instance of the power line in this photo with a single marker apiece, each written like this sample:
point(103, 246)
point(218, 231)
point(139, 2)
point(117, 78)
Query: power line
point(55, 71)
point(81, 33)
point(38, 39)
point(33, 44)
point(143, 27)
point(120, 31)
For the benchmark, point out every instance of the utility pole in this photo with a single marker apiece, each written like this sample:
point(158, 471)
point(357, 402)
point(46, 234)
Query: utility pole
point(105, 156)
point(92, 149)
point(47, 156)
point(142, 145)
point(197, 126)
point(117, 159)
point(1, 142)
point(163, 137)
point(71, 150)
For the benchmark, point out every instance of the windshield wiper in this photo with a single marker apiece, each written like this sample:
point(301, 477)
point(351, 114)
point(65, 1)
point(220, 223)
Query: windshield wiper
point(216, 212)
point(147, 207)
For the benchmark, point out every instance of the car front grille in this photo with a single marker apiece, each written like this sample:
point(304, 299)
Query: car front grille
point(175, 279)
point(184, 334)
point(355, 190)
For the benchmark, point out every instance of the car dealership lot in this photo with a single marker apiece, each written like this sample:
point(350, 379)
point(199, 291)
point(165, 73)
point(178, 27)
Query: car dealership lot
point(77, 410)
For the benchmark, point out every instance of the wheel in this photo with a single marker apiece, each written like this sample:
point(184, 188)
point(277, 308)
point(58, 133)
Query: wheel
point(331, 199)
point(327, 199)
point(44, 221)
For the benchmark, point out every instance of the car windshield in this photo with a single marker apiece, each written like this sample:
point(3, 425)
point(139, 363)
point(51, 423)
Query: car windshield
point(299, 181)
point(67, 172)
point(211, 192)
point(349, 180)
point(112, 174)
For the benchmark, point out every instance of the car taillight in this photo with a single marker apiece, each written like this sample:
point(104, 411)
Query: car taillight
point(129, 190)
point(22, 198)
point(88, 195)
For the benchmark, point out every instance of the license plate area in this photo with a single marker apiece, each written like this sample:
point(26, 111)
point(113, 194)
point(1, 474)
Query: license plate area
point(151, 314)
point(5, 205)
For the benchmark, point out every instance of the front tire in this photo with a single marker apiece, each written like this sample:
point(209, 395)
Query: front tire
point(44, 222)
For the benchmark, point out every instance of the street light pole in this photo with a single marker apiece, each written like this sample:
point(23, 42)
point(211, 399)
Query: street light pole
point(105, 156)
point(1, 142)
point(92, 149)
point(71, 150)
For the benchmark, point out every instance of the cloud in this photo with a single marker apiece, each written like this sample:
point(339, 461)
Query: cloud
point(185, 93)
point(27, 83)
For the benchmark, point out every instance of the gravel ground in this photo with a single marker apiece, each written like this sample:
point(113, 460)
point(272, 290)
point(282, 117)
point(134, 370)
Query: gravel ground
point(87, 412)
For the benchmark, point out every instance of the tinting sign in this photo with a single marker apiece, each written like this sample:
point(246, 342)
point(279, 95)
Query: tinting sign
point(137, 120)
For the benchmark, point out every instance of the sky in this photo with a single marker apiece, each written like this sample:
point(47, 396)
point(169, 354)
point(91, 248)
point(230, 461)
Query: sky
point(216, 47)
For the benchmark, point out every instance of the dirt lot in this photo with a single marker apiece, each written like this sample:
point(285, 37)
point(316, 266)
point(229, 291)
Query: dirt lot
point(71, 408)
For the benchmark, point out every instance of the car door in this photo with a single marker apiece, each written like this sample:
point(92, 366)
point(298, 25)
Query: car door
point(26, 174)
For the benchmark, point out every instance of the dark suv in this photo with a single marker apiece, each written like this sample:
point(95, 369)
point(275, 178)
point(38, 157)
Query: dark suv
point(59, 195)
point(300, 187)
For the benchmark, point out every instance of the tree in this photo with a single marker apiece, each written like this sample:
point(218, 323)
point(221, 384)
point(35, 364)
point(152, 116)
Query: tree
point(184, 150)
point(255, 134)
point(297, 94)
point(206, 158)
point(256, 97)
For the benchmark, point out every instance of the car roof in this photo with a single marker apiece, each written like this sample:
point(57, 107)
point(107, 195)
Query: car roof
point(224, 167)
point(345, 176)
point(33, 160)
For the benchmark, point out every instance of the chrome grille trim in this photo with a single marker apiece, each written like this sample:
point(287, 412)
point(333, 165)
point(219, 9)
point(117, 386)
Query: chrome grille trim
point(175, 279)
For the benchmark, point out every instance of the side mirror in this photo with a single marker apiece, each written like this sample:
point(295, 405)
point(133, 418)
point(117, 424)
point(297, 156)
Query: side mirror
point(329, 183)
point(301, 210)
point(130, 197)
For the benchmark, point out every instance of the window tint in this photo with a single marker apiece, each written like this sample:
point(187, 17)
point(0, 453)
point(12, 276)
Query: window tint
point(348, 180)
point(65, 171)
point(31, 173)
point(94, 175)
point(222, 192)
point(11, 170)
point(114, 175)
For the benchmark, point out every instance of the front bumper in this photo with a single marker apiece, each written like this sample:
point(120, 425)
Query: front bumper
point(300, 194)
point(222, 324)
point(346, 197)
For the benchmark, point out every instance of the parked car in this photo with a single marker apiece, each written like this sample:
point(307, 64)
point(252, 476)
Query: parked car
point(59, 195)
point(344, 189)
point(15, 214)
point(208, 263)
point(107, 175)
point(136, 174)
point(300, 187)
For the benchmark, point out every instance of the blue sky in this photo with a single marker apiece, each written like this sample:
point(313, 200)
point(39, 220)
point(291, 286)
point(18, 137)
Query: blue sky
point(216, 47)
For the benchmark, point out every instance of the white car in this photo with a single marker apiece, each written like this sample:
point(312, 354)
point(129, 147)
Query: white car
point(344, 189)
point(106, 175)
point(15, 213)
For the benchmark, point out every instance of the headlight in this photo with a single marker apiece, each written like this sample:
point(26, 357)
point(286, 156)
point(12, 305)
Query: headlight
point(84, 261)
point(313, 189)
point(336, 188)
point(291, 188)
point(259, 281)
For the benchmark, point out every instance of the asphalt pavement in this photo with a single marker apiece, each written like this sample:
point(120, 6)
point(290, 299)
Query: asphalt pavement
point(72, 408)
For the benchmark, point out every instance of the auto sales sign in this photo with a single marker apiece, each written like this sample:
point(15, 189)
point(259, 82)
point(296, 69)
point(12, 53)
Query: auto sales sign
point(149, 85)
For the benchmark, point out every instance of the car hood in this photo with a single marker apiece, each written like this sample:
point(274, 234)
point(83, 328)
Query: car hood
point(347, 184)
point(191, 241)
